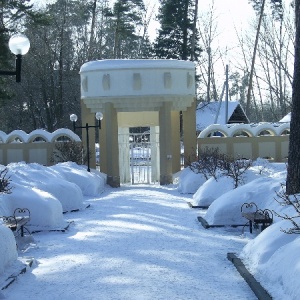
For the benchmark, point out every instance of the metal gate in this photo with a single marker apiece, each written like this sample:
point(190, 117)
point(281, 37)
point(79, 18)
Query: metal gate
point(140, 158)
point(139, 153)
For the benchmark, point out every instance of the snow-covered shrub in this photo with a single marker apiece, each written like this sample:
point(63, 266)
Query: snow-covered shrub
point(208, 163)
point(69, 151)
point(235, 168)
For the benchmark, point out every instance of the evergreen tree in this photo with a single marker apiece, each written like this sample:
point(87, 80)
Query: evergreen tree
point(46, 95)
point(126, 22)
point(12, 15)
point(178, 35)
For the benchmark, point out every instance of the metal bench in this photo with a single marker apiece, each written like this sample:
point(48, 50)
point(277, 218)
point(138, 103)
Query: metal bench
point(256, 217)
point(17, 221)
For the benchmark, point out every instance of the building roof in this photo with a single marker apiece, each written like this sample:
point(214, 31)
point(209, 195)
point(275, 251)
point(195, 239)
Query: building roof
point(208, 113)
point(286, 118)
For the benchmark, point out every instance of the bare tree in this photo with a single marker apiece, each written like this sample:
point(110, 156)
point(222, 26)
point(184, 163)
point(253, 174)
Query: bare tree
point(254, 56)
point(208, 31)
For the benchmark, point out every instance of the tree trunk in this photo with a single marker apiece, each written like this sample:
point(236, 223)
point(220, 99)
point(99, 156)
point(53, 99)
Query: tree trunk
point(293, 175)
point(194, 30)
point(93, 25)
point(185, 31)
point(253, 56)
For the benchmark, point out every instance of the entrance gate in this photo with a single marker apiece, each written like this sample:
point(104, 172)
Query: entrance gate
point(139, 154)
point(140, 158)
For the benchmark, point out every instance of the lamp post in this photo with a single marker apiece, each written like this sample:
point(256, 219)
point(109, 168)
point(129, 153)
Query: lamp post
point(19, 45)
point(73, 119)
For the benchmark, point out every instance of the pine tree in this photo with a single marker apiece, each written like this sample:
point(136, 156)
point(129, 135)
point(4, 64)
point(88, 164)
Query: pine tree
point(177, 36)
point(126, 17)
point(12, 17)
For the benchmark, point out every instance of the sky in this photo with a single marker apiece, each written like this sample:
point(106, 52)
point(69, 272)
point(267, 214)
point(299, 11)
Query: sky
point(135, 241)
point(229, 12)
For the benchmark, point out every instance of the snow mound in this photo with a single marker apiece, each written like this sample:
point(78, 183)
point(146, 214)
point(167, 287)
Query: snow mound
point(189, 181)
point(90, 183)
point(8, 250)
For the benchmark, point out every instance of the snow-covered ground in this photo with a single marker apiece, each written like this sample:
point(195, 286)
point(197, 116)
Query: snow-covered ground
point(144, 241)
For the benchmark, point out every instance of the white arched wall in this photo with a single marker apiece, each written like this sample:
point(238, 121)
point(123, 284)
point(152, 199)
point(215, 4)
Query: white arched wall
point(272, 145)
point(36, 146)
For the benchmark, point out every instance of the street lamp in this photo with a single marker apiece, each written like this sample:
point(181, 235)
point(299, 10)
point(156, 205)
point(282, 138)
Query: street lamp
point(19, 45)
point(74, 118)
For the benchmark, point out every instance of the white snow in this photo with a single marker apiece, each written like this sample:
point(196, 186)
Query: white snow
point(111, 64)
point(45, 135)
point(286, 118)
point(144, 241)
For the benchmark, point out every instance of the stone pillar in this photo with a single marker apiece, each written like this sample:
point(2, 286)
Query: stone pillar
point(109, 148)
point(88, 118)
point(175, 142)
point(165, 140)
point(155, 158)
point(124, 156)
point(189, 133)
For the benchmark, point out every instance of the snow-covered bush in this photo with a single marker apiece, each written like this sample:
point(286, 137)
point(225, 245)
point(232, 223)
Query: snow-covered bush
point(69, 151)
point(208, 163)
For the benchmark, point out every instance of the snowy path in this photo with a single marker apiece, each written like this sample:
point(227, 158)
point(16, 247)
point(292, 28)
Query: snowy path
point(134, 243)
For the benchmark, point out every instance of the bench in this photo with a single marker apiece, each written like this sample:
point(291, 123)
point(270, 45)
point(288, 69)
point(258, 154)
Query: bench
point(256, 216)
point(17, 221)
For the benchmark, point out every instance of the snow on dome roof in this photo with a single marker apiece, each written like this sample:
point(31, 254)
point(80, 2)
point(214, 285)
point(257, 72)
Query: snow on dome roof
point(136, 64)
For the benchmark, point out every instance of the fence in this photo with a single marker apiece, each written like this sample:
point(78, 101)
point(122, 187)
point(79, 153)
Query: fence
point(35, 147)
point(265, 140)
point(251, 141)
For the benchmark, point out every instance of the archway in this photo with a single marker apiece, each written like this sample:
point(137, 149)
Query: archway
point(133, 93)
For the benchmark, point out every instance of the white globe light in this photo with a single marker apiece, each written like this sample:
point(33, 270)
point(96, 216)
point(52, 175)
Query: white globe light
point(19, 44)
point(73, 118)
point(99, 115)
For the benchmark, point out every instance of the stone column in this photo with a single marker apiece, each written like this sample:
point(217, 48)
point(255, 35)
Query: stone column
point(175, 142)
point(189, 133)
point(109, 148)
point(88, 118)
point(165, 140)
point(124, 156)
point(155, 163)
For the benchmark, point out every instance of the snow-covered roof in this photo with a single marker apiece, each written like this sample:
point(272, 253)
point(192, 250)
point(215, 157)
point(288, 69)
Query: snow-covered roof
point(110, 64)
point(207, 111)
point(286, 118)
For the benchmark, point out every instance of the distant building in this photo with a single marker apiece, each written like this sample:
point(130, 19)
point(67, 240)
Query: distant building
point(208, 113)
point(286, 118)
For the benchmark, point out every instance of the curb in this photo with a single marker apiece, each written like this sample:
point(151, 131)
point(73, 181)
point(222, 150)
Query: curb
point(55, 230)
point(255, 286)
point(197, 206)
point(13, 277)
point(206, 225)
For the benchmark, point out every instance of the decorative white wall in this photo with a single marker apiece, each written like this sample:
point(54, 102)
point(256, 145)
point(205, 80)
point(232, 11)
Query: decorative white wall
point(34, 147)
point(264, 140)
